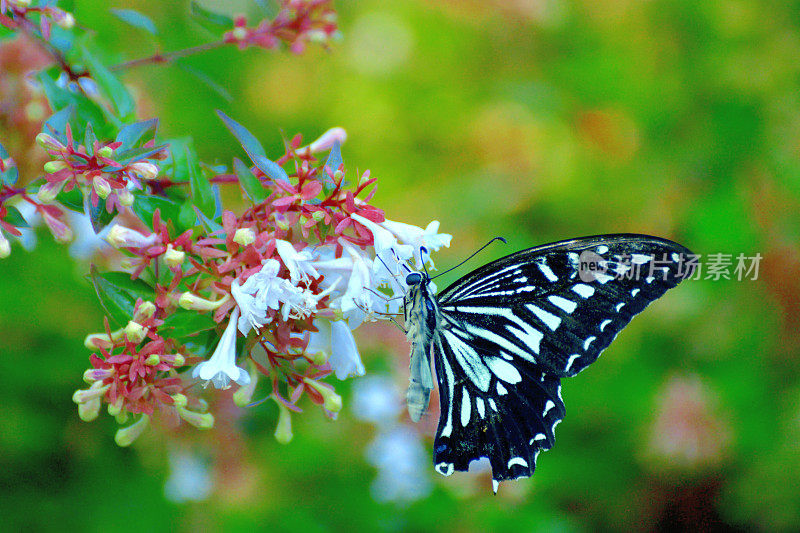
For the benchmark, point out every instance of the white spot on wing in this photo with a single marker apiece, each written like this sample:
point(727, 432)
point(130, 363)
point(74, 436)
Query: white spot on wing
point(466, 407)
point(602, 249)
point(634, 292)
point(503, 370)
point(501, 390)
point(570, 361)
point(639, 259)
point(517, 461)
point(448, 373)
point(549, 319)
point(587, 342)
point(547, 406)
point(565, 305)
point(619, 306)
point(548, 273)
point(492, 404)
point(675, 257)
point(583, 290)
point(604, 323)
point(481, 407)
point(445, 469)
point(469, 360)
point(602, 277)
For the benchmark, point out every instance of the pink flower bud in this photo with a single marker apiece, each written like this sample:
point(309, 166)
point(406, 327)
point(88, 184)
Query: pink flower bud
point(122, 237)
point(51, 167)
point(89, 410)
point(146, 171)
point(61, 232)
point(180, 400)
point(326, 141)
point(105, 151)
point(48, 192)
point(144, 311)
point(283, 431)
point(125, 197)
point(244, 236)
point(101, 187)
point(193, 302)
point(331, 401)
point(198, 420)
point(135, 332)
point(173, 258)
point(126, 436)
point(49, 142)
point(66, 20)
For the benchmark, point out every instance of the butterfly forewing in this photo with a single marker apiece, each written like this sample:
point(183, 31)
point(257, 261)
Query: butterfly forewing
point(511, 329)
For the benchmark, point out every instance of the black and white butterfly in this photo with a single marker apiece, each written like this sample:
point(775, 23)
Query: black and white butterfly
point(504, 335)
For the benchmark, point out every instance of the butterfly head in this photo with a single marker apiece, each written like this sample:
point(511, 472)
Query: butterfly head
point(415, 278)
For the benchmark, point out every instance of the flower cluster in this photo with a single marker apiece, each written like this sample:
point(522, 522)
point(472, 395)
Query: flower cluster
point(94, 169)
point(297, 23)
point(19, 14)
point(135, 372)
point(290, 278)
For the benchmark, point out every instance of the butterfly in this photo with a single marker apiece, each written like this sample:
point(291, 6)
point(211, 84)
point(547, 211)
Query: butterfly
point(503, 336)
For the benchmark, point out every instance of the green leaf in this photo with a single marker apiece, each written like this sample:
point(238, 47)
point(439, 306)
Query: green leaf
point(72, 200)
point(89, 139)
point(130, 134)
point(118, 294)
point(109, 85)
point(202, 193)
point(214, 22)
point(56, 125)
point(271, 168)
point(10, 175)
point(135, 19)
point(15, 218)
point(187, 216)
point(98, 214)
point(251, 185)
point(135, 154)
point(145, 207)
point(183, 323)
point(245, 138)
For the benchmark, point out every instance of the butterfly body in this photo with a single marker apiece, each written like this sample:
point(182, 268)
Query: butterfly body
point(503, 336)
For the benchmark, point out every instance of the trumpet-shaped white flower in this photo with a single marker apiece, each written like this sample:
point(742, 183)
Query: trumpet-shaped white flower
point(336, 339)
point(418, 238)
point(300, 264)
point(221, 369)
point(252, 316)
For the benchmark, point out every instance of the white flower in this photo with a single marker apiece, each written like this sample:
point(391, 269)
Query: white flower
point(375, 399)
point(300, 264)
point(189, 480)
point(356, 302)
point(418, 238)
point(221, 369)
point(384, 239)
point(336, 339)
point(252, 316)
point(402, 463)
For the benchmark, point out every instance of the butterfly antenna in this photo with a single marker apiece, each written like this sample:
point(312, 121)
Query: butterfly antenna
point(422, 252)
point(470, 257)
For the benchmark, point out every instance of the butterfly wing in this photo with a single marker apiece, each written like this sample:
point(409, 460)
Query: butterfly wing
point(512, 328)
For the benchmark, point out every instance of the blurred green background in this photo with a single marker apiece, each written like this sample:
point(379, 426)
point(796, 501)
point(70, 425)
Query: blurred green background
point(536, 120)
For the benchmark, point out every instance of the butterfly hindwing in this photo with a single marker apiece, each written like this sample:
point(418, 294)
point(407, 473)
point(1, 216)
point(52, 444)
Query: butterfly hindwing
point(509, 422)
point(511, 329)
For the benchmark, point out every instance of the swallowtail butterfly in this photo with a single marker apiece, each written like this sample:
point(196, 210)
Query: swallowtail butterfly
point(503, 336)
